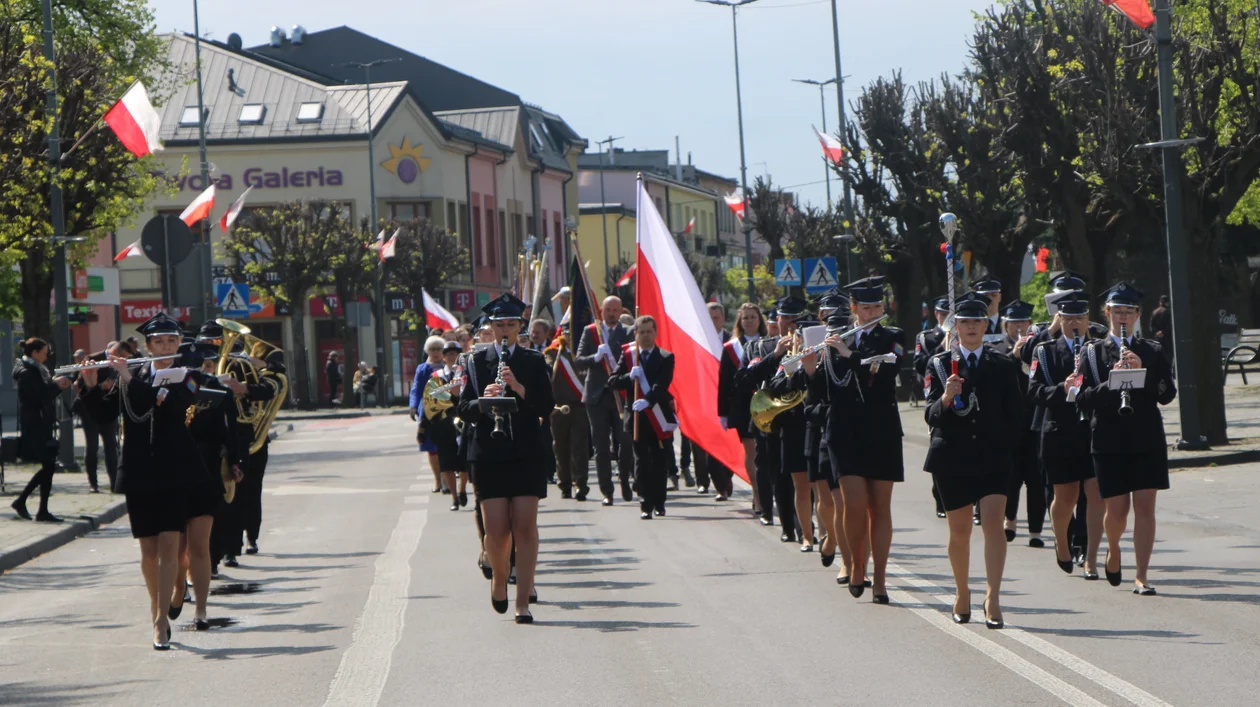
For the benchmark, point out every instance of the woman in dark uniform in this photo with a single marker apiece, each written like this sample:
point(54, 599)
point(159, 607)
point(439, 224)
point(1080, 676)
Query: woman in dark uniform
point(975, 419)
point(159, 463)
point(1129, 450)
point(864, 436)
point(509, 472)
point(37, 399)
point(733, 399)
point(440, 432)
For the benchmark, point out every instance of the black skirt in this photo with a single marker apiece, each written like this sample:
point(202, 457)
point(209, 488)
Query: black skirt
point(879, 460)
point(1068, 470)
point(510, 479)
point(820, 468)
point(203, 500)
point(964, 490)
point(792, 448)
point(154, 512)
point(1120, 474)
point(449, 458)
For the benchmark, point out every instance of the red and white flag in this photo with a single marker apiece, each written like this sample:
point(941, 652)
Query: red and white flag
point(234, 211)
point(735, 200)
point(200, 208)
point(570, 376)
point(387, 250)
point(684, 327)
point(627, 278)
point(1138, 11)
point(832, 147)
point(131, 251)
point(690, 226)
point(135, 122)
point(435, 315)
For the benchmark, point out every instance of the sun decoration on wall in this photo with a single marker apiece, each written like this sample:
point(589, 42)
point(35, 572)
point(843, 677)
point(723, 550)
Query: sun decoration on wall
point(406, 162)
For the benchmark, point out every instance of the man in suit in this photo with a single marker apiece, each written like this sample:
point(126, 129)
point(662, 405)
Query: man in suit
point(598, 349)
point(648, 371)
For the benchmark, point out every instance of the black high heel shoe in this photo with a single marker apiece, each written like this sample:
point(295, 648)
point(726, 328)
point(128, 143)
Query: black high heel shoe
point(1067, 566)
point(963, 618)
point(991, 623)
point(1010, 534)
point(879, 598)
point(525, 618)
point(533, 596)
point(201, 624)
point(1113, 578)
point(827, 559)
point(857, 590)
point(500, 605)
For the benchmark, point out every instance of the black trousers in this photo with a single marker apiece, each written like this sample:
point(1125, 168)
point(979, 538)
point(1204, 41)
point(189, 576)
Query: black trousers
point(651, 467)
point(773, 484)
point(1026, 471)
point(95, 433)
point(43, 481)
point(605, 423)
point(710, 470)
point(572, 436)
point(225, 534)
point(249, 493)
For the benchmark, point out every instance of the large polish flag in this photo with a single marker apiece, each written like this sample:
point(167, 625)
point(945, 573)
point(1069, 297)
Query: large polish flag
point(135, 122)
point(832, 147)
point(668, 292)
point(1138, 11)
point(200, 208)
point(435, 315)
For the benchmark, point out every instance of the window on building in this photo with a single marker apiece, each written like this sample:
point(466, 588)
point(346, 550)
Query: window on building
point(310, 112)
point(252, 114)
point(450, 217)
point(476, 231)
point(490, 239)
point(408, 210)
point(189, 117)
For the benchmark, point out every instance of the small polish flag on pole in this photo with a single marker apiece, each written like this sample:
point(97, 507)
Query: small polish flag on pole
point(376, 244)
point(690, 226)
point(135, 122)
point(735, 200)
point(832, 147)
point(628, 277)
point(234, 211)
point(131, 251)
point(200, 208)
point(387, 250)
point(435, 315)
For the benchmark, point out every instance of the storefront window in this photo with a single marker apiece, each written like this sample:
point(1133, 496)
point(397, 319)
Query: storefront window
point(408, 210)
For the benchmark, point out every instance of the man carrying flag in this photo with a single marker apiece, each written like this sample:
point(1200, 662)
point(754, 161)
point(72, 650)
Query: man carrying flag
point(647, 370)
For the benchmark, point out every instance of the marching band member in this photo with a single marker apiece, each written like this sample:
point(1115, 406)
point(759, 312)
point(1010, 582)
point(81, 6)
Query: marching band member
point(509, 465)
point(1130, 453)
point(159, 462)
point(1053, 384)
point(440, 429)
point(1026, 464)
point(864, 435)
point(735, 389)
point(781, 450)
point(794, 441)
point(597, 358)
point(570, 429)
point(926, 345)
point(992, 291)
point(648, 370)
point(975, 418)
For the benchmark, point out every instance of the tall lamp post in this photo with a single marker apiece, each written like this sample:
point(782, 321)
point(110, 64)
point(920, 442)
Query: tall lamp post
point(844, 164)
point(822, 103)
point(203, 274)
point(603, 202)
point(383, 381)
point(743, 164)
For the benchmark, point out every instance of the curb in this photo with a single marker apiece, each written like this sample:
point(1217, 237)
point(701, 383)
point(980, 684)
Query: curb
point(1229, 458)
point(278, 429)
point(69, 531)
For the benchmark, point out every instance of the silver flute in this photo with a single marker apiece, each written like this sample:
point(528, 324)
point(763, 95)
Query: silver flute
point(66, 370)
point(806, 353)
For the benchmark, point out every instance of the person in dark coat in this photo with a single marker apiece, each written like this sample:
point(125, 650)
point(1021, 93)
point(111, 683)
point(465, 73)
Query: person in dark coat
point(599, 346)
point(735, 389)
point(1025, 463)
point(1127, 442)
point(708, 469)
point(926, 345)
point(96, 404)
point(975, 419)
point(648, 371)
point(37, 403)
point(332, 370)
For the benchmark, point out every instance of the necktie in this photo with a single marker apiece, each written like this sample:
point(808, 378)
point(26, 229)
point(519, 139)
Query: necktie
point(971, 361)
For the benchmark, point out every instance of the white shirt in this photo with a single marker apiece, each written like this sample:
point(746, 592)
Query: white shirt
point(498, 348)
point(1118, 341)
point(967, 354)
point(750, 339)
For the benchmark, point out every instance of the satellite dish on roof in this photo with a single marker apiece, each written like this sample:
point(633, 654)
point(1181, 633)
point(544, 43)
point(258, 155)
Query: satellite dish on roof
point(235, 42)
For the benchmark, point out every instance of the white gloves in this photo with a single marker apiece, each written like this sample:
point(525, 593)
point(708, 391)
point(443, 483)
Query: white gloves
point(638, 374)
point(725, 424)
point(606, 352)
point(640, 405)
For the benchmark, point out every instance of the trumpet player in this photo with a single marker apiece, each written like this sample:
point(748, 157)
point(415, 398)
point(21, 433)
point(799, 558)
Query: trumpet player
point(507, 450)
point(1130, 453)
point(1053, 385)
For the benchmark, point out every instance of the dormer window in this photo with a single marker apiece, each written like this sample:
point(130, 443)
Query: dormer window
point(188, 119)
point(252, 114)
point(310, 112)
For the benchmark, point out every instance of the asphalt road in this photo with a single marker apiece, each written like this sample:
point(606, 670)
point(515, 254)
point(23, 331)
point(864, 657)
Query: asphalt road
point(366, 593)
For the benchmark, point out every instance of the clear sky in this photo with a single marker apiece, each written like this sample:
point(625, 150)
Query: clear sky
point(648, 70)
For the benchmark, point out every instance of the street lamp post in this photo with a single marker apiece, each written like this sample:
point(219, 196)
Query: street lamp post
point(844, 164)
point(743, 164)
point(384, 380)
point(822, 103)
point(603, 202)
point(203, 274)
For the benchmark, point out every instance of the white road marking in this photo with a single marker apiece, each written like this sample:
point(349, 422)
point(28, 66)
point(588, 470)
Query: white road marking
point(1089, 671)
point(417, 487)
point(365, 665)
point(412, 500)
point(308, 490)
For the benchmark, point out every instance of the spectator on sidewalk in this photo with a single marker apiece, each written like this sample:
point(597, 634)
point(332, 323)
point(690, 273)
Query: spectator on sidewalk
point(1161, 322)
point(367, 394)
point(332, 369)
point(37, 401)
point(356, 383)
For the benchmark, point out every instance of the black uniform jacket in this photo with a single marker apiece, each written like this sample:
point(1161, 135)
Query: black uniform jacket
point(1063, 433)
point(525, 441)
point(659, 369)
point(94, 401)
point(158, 453)
point(1143, 431)
point(864, 407)
point(735, 388)
point(587, 361)
point(979, 438)
point(926, 345)
point(37, 401)
point(219, 435)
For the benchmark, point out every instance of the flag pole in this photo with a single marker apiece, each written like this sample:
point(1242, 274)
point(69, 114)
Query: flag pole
point(599, 332)
point(638, 307)
point(78, 142)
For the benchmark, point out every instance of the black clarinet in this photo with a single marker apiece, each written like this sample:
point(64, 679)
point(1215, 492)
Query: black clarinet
point(1126, 396)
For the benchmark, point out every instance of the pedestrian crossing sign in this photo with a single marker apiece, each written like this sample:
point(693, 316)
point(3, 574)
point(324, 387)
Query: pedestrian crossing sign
point(787, 272)
point(820, 275)
point(232, 298)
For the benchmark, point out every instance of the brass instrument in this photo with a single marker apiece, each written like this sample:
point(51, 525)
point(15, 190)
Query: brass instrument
point(437, 395)
point(765, 407)
point(499, 417)
point(258, 414)
point(1126, 396)
point(66, 370)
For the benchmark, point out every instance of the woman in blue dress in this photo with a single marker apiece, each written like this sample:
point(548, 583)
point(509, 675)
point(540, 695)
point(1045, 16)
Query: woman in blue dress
point(425, 371)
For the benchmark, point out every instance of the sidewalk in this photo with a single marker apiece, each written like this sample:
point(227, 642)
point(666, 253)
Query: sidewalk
point(1242, 412)
point(71, 500)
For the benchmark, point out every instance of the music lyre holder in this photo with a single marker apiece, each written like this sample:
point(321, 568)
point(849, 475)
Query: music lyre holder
point(503, 406)
point(1127, 379)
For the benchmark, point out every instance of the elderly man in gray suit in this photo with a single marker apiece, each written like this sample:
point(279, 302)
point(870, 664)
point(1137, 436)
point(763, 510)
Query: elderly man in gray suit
point(598, 352)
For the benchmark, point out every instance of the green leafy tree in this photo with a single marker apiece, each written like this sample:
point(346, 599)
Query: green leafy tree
point(770, 216)
point(763, 284)
point(101, 48)
point(426, 258)
point(349, 276)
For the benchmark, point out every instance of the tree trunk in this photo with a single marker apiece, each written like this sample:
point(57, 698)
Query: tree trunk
point(37, 300)
point(302, 383)
point(1205, 338)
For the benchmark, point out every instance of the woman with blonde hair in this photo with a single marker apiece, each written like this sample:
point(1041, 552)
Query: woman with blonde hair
point(426, 370)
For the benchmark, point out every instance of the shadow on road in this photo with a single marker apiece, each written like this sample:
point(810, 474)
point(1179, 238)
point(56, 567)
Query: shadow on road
point(41, 693)
point(613, 626)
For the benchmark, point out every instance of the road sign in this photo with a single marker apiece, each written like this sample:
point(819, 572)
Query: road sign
point(233, 299)
point(787, 272)
point(165, 235)
point(820, 274)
